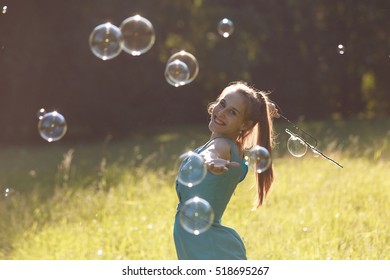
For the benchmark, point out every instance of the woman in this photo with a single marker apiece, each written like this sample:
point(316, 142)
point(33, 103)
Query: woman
point(239, 119)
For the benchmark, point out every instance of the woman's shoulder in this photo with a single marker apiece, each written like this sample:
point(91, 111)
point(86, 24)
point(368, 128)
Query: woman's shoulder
point(222, 144)
point(231, 146)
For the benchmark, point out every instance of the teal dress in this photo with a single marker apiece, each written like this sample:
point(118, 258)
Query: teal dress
point(218, 242)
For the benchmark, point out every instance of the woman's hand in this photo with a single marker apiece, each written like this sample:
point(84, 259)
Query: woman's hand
point(218, 166)
point(217, 157)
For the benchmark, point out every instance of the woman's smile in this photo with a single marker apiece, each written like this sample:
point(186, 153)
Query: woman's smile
point(218, 121)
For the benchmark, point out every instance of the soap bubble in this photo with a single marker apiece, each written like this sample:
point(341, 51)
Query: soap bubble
point(138, 35)
point(41, 113)
point(196, 215)
point(5, 9)
point(183, 58)
point(341, 49)
point(192, 169)
point(177, 73)
point(258, 158)
point(52, 126)
point(296, 146)
point(225, 27)
point(105, 41)
point(8, 192)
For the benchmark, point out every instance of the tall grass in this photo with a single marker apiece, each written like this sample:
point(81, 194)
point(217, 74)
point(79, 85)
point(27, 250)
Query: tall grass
point(116, 199)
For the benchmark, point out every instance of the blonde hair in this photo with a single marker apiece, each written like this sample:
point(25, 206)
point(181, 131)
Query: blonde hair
point(259, 130)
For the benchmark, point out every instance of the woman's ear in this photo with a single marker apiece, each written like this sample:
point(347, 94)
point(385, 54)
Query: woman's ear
point(246, 125)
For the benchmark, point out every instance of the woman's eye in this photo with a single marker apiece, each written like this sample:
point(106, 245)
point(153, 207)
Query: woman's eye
point(222, 103)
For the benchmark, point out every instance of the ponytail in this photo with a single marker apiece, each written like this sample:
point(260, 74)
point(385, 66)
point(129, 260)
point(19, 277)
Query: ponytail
point(259, 133)
point(264, 179)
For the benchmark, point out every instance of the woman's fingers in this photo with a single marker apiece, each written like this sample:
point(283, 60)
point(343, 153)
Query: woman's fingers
point(232, 164)
point(220, 166)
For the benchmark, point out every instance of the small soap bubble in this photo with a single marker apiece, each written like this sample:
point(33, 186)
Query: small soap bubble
point(192, 169)
point(41, 113)
point(296, 146)
point(105, 41)
point(341, 49)
point(8, 192)
point(196, 215)
point(5, 9)
point(100, 252)
point(32, 173)
point(258, 158)
point(177, 72)
point(186, 61)
point(52, 126)
point(225, 27)
point(138, 35)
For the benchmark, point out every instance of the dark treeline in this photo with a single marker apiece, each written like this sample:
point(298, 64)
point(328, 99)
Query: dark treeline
point(286, 47)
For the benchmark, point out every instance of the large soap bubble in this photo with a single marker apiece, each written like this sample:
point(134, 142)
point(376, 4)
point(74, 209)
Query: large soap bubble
point(192, 169)
point(138, 35)
point(105, 41)
point(258, 158)
point(196, 216)
point(177, 73)
point(296, 146)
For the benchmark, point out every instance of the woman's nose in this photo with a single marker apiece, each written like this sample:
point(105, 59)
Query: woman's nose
point(221, 113)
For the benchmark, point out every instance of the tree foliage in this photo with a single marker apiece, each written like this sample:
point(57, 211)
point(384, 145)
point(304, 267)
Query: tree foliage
point(286, 47)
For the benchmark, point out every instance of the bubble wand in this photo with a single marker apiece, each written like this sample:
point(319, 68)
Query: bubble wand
point(297, 128)
point(312, 147)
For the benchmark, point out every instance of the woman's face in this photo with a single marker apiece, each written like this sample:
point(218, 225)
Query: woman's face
point(228, 115)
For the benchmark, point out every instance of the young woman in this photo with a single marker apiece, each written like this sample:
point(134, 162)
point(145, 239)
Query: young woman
point(239, 119)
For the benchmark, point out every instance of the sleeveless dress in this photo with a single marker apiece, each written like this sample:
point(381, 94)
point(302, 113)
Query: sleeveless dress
point(218, 242)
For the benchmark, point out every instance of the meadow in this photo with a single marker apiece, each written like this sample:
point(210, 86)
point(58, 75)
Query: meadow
point(115, 199)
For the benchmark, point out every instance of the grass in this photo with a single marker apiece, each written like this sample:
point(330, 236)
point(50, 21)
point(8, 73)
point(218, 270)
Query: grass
point(116, 199)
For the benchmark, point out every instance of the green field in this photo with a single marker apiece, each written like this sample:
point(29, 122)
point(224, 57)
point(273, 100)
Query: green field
point(115, 199)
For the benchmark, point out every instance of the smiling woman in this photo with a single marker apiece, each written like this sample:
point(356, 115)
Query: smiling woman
point(239, 119)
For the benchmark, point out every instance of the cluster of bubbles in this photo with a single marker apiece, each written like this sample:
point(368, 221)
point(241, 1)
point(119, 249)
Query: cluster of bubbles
point(197, 215)
point(135, 36)
point(181, 69)
point(51, 125)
